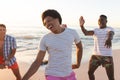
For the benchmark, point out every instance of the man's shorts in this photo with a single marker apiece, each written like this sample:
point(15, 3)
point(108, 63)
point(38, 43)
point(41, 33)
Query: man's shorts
point(98, 60)
point(70, 77)
point(14, 66)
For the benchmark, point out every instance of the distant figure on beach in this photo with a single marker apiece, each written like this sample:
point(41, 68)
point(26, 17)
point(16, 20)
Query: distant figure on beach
point(102, 54)
point(7, 52)
point(58, 43)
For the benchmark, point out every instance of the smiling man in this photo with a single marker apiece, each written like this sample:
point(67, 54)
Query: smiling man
point(58, 43)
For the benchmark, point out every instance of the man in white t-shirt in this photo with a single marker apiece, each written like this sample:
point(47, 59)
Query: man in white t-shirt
point(102, 54)
point(58, 43)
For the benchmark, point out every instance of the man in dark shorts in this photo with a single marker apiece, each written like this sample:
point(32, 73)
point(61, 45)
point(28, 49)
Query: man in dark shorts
point(102, 47)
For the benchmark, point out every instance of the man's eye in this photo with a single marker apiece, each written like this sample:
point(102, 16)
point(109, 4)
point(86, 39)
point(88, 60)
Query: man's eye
point(2, 30)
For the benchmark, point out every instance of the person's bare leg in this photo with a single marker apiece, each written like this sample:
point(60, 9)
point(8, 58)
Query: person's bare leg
point(16, 72)
point(91, 71)
point(110, 70)
point(93, 65)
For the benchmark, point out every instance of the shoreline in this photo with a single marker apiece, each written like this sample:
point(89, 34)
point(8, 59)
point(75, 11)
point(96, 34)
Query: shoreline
point(81, 73)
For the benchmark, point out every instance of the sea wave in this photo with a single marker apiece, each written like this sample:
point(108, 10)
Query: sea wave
point(27, 37)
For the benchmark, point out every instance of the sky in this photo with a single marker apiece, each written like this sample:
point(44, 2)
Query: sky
point(28, 12)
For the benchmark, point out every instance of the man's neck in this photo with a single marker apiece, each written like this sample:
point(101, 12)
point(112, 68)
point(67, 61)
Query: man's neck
point(2, 38)
point(102, 27)
point(60, 30)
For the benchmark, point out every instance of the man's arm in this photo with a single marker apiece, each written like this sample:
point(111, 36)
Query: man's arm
point(108, 42)
point(82, 21)
point(35, 65)
point(79, 51)
point(13, 51)
point(10, 56)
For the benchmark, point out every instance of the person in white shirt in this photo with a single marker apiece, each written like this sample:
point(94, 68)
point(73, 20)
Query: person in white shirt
point(58, 43)
point(102, 54)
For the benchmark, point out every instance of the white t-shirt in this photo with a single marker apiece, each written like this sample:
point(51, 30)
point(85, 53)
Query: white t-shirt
point(100, 36)
point(59, 47)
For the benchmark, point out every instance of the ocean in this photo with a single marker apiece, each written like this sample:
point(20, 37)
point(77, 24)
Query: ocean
point(28, 38)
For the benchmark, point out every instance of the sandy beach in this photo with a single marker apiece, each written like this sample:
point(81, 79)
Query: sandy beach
point(81, 73)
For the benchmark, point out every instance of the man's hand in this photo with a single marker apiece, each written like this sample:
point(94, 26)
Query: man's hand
point(6, 62)
point(108, 43)
point(81, 21)
point(75, 66)
point(63, 25)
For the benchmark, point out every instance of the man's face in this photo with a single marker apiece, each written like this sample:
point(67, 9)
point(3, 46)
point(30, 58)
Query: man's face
point(51, 23)
point(2, 31)
point(102, 22)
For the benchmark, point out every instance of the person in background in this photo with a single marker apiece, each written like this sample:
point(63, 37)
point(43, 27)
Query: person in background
point(102, 54)
point(7, 52)
point(58, 43)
